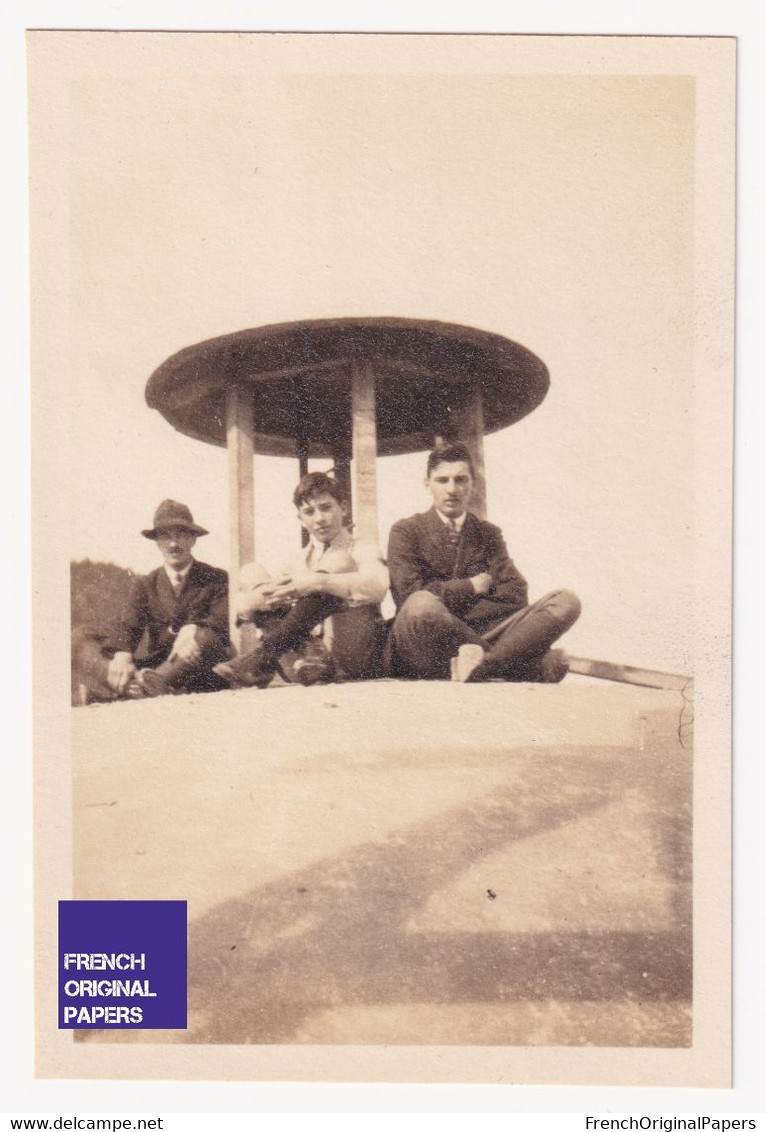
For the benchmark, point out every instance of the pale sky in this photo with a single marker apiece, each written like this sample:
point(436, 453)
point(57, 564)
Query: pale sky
point(556, 210)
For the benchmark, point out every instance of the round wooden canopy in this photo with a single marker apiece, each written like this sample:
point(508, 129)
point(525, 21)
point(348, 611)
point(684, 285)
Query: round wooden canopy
point(300, 377)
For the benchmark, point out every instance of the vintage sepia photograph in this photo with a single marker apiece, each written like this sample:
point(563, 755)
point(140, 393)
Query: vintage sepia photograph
point(382, 397)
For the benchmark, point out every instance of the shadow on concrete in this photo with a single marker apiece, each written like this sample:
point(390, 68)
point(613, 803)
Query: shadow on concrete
point(334, 935)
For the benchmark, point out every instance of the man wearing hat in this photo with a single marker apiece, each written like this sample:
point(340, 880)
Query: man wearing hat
point(180, 611)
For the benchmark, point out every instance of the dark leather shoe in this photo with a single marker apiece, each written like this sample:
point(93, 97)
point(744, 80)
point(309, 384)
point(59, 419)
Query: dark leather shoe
point(550, 668)
point(313, 670)
point(168, 679)
point(314, 664)
point(251, 670)
point(153, 683)
point(553, 666)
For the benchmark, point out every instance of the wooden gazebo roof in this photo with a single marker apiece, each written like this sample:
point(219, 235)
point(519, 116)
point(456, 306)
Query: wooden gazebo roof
point(298, 375)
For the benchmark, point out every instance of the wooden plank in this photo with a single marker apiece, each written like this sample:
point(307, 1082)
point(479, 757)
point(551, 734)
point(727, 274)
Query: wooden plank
point(239, 444)
point(303, 370)
point(387, 364)
point(626, 674)
point(608, 670)
point(364, 444)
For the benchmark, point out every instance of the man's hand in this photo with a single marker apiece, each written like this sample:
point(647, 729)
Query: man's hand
point(262, 594)
point(255, 601)
point(186, 647)
point(121, 671)
point(290, 589)
point(482, 583)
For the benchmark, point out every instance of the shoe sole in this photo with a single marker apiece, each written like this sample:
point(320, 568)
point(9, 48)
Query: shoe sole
point(235, 681)
point(153, 685)
point(307, 674)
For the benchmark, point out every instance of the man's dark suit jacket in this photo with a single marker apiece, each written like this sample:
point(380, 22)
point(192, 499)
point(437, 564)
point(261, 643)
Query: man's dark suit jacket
point(421, 557)
point(153, 609)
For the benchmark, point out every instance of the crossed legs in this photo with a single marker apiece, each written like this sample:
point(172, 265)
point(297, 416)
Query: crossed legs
point(175, 675)
point(90, 667)
point(283, 631)
point(352, 651)
point(426, 635)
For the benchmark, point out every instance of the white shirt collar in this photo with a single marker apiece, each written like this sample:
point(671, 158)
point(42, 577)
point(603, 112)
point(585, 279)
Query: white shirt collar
point(173, 574)
point(316, 549)
point(448, 521)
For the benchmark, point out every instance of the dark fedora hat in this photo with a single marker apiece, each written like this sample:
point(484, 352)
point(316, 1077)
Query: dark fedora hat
point(172, 514)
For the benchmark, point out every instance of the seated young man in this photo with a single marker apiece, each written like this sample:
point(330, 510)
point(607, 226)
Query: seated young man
point(336, 582)
point(454, 584)
point(181, 609)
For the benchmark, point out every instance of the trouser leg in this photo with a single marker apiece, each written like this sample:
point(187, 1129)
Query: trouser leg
point(528, 636)
point(356, 643)
point(90, 665)
point(426, 636)
point(194, 675)
point(282, 632)
point(307, 612)
point(353, 642)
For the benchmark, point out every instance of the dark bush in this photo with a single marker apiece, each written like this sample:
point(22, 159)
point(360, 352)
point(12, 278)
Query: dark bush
point(99, 592)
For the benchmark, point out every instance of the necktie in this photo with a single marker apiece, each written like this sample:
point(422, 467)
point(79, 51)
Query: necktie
point(453, 534)
point(178, 584)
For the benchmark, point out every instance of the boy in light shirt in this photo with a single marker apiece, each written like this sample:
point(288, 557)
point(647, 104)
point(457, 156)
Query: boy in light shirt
point(336, 582)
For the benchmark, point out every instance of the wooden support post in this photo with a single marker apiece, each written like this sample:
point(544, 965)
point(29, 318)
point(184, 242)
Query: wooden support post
point(302, 452)
point(467, 420)
point(299, 408)
point(342, 471)
point(303, 459)
point(364, 443)
point(239, 443)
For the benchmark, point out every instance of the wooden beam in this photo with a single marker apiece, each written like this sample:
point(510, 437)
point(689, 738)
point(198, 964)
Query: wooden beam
point(626, 674)
point(239, 444)
point(302, 452)
point(341, 466)
point(364, 445)
point(467, 425)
